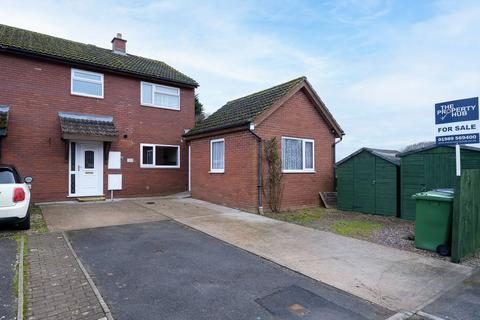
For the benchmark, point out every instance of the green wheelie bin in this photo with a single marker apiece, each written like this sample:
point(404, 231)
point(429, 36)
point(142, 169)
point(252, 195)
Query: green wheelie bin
point(433, 222)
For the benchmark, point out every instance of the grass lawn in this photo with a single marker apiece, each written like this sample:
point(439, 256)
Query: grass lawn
point(379, 229)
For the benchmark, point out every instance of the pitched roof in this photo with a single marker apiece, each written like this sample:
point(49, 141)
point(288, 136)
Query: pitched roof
point(387, 155)
point(244, 110)
point(17, 40)
point(76, 124)
point(433, 146)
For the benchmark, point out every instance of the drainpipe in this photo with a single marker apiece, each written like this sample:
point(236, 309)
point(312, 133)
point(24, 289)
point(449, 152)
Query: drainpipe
point(334, 161)
point(260, 168)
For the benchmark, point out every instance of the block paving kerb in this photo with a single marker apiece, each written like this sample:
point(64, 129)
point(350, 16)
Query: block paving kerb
point(56, 286)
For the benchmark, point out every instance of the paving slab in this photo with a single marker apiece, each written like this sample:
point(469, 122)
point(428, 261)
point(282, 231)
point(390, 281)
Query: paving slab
point(8, 254)
point(73, 216)
point(395, 279)
point(164, 270)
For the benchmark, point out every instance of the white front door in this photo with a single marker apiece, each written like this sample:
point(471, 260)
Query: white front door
point(87, 168)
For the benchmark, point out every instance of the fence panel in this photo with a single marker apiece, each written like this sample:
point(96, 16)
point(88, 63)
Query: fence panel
point(466, 215)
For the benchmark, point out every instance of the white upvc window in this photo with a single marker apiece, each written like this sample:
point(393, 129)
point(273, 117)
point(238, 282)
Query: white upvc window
point(159, 156)
point(86, 83)
point(217, 156)
point(158, 96)
point(298, 155)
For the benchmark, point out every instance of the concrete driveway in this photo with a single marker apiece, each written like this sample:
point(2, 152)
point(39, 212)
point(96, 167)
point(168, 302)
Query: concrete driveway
point(73, 216)
point(164, 270)
point(396, 279)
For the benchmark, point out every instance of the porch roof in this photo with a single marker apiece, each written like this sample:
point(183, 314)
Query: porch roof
point(87, 127)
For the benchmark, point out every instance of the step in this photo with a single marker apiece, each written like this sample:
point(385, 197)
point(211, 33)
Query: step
point(91, 199)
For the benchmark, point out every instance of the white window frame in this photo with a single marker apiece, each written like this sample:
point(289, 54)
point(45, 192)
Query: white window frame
point(211, 156)
point(72, 77)
point(153, 105)
point(142, 165)
point(303, 170)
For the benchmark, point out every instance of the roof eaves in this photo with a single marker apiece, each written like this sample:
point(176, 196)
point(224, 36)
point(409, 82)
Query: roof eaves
point(371, 151)
point(56, 58)
point(192, 133)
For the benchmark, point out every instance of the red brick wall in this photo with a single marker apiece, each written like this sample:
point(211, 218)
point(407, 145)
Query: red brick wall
point(237, 187)
point(298, 118)
point(37, 90)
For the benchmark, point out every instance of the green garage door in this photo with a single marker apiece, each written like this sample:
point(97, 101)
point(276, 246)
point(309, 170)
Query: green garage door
point(364, 183)
point(367, 183)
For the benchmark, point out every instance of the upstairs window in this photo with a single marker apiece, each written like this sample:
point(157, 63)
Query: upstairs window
point(86, 83)
point(298, 155)
point(155, 95)
point(217, 156)
point(159, 156)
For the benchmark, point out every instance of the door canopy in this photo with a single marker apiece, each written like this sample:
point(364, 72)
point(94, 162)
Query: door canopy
point(77, 126)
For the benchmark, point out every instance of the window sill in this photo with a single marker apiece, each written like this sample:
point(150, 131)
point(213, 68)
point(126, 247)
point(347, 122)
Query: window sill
point(223, 171)
point(159, 167)
point(299, 171)
point(86, 95)
point(159, 107)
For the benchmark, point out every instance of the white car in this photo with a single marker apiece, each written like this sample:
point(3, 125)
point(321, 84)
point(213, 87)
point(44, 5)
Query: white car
point(14, 198)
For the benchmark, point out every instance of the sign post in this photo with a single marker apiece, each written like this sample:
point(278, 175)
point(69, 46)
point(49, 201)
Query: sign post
point(456, 123)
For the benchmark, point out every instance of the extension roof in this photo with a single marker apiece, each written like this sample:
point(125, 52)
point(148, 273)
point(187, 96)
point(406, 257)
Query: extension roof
point(387, 155)
point(252, 108)
point(20, 41)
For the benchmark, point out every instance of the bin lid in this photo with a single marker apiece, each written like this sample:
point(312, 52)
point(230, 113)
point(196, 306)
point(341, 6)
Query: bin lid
point(435, 195)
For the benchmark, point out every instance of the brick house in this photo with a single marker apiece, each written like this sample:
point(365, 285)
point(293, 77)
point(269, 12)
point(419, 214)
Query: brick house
point(77, 117)
point(228, 164)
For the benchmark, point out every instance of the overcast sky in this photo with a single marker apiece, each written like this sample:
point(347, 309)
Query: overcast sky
point(378, 65)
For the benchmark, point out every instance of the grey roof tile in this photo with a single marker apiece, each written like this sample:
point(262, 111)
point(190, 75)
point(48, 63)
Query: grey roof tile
point(29, 42)
point(244, 110)
point(87, 125)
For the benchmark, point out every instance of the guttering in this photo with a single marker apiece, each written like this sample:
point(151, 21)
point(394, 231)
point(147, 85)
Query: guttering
point(334, 160)
point(217, 130)
point(260, 167)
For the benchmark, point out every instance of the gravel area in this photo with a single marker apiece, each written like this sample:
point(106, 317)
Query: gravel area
point(387, 231)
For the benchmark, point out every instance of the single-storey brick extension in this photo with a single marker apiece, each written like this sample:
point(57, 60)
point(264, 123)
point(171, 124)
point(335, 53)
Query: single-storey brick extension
point(228, 164)
point(76, 114)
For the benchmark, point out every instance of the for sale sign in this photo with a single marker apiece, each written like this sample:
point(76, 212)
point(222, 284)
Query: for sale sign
point(457, 122)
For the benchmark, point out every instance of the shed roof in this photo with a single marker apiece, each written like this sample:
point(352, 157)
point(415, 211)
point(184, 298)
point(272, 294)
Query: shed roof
point(387, 155)
point(20, 41)
point(247, 109)
point(433, 146)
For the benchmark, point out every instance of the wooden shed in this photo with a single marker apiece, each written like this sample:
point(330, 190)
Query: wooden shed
point(367, 181)
point(430, 168)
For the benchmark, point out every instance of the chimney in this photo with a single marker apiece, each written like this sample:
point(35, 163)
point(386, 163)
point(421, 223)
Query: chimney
point(119, 45)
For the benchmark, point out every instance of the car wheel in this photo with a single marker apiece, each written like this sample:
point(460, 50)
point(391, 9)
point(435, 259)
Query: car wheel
point(25, 224)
